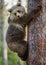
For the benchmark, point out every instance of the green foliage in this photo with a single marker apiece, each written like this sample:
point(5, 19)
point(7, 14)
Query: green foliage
point(13, 58)
point(1, 59)
point(0, 35)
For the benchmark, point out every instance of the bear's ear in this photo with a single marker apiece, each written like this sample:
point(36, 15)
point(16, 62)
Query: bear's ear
point(10, 10)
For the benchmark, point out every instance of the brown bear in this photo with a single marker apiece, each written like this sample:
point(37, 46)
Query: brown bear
point(15, 35)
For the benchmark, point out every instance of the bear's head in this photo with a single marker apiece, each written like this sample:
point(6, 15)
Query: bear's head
point(16, 12)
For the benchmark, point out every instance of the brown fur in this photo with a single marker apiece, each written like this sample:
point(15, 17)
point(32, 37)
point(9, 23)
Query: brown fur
point(16, 30)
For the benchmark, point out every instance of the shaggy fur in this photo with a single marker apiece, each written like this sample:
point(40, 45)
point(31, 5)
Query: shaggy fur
point(18, 20)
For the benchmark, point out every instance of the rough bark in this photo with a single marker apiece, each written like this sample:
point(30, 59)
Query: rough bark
point(37, 35)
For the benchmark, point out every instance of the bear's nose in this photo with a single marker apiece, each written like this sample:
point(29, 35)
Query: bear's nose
point(18, 16)
point(19, 11)
point(14, 13)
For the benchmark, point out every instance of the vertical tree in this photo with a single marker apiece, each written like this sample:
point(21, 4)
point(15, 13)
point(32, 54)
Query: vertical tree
point(4, 47)
point(37, 35)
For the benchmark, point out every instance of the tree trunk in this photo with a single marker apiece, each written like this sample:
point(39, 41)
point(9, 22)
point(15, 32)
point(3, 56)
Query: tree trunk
point(4, 46)
point(37, 35)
